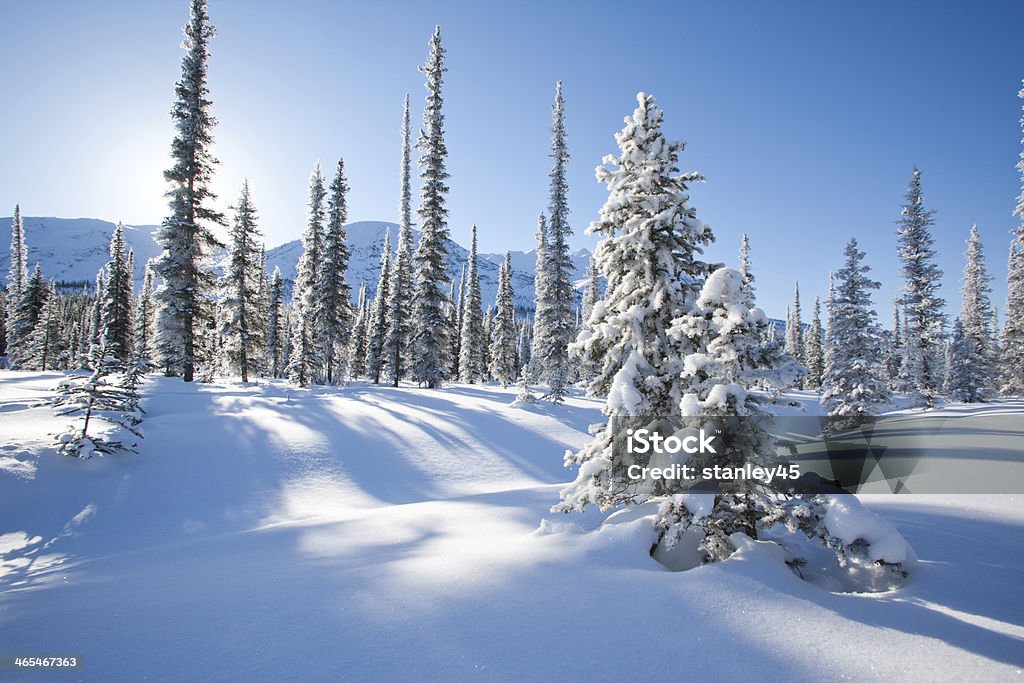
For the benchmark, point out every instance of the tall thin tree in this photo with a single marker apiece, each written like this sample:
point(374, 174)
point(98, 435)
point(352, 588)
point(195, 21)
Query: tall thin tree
point(925, 320)
point(186, 235)
point(333, 295)
point(1013, 327)
point(430, 335)
point(399, 304)
point(240, 303)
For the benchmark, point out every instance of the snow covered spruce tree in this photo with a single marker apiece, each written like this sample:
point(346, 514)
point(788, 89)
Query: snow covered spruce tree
point(503, 353)
point(649, 255)
point(456, 308)
point(358, 342)
point(471, 336)
point(745, 269)
point(815, 352)
point(961, 366)
point(976, 318)
point(376, 325)
point(485, 346)
point(240, 306)
point(587, 368)
point(277, 326)
point(730, 358)
point(116, 301)
point(541, 307)
point(27, 313)
point(304, 294)
point(185, 235)
point(399, 305)
point(17, 277)
point(557, 324)
point(145, 322)
point(894, 350)
point(524, 341)
point(3, 325)
point(795, 329)
point(333, 295)
point(1012, 366)
point(431, 332)
point(854, 383)
point(924, 324)
point(46, 343)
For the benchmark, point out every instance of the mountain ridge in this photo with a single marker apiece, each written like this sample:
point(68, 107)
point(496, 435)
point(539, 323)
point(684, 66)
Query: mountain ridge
point(72, 250)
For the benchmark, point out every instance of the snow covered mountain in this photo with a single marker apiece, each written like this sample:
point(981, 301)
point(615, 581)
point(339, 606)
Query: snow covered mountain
point(71, 250)
point(366, 239)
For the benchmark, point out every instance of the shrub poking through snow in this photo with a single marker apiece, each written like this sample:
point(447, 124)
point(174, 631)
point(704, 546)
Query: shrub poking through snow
point(97, 399)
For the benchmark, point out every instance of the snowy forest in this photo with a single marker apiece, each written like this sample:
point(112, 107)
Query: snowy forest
point(654, 332)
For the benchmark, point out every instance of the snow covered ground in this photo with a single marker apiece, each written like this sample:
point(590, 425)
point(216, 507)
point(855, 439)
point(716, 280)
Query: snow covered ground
point(369, 533)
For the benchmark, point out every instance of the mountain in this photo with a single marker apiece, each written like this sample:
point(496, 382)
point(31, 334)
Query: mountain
point(366, 239)
point(71, 250)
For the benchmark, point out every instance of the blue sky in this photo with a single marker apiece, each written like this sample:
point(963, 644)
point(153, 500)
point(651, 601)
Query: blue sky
point(805, 117)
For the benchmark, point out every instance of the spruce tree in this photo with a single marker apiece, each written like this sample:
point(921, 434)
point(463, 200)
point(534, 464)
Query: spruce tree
point(358, 343)
point(399, 305)
point(485, 344)
point(503, 352)
point(587, 368)
point(542, 303)
point(277, 326)
point(962, 371)
point(456, 311)
point(649, 255)
point(240, 328)
point(731, 358)
point(302, 365)
point(976, 315)
point(45, 343)
point(186, 236)
point(745, 270)
point(854, 382)
point(116, 301)
point(376, 326)
point(925, 321)
point(815, 352)
point(1012, 366)
point(17, 275)
point(430, 335)
point(558, 327)
point(471, 337)
point(333, 295)
point(894, 350)
point(304, 294)
point(4, 314)
point(27, 314)
point(592, 293)
point(524, 343)
point(795, 329)
point(145, 319)
point(95, 340)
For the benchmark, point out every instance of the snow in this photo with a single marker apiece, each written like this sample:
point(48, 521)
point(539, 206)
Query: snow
point(373, 533)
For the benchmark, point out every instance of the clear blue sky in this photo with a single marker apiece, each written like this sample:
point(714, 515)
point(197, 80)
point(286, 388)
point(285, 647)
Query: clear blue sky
point(806, 117)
